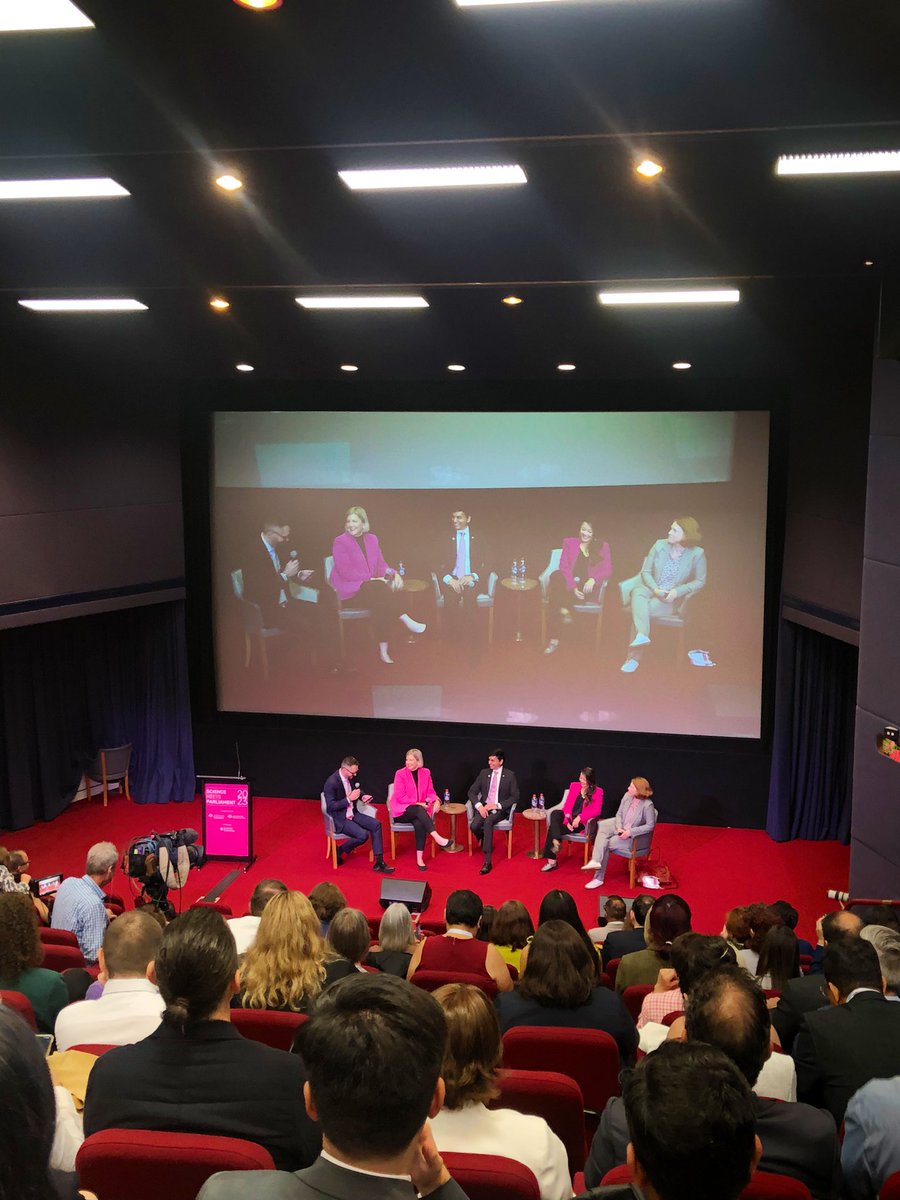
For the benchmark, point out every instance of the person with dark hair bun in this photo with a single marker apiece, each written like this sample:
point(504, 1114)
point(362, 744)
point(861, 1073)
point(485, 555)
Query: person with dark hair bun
point(196, 1073)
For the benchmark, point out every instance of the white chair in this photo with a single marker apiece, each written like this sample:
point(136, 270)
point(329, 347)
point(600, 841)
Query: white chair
point(586, 838)
point(346, 610)
point(501, 827)
point(334, 839)
point(483, 599)
point(590, 607)
point(400, 826)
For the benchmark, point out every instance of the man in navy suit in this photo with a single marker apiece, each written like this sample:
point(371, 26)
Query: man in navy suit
point(494, 795)
point(342, 798)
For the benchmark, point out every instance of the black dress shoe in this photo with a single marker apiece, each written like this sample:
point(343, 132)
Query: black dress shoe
point(486, 869)
point(421, 866)
point(340, 859)
point(452, 847)
point(382, 867)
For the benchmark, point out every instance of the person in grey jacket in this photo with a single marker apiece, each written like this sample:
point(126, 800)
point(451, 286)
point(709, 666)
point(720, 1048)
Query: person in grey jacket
point(674, 568)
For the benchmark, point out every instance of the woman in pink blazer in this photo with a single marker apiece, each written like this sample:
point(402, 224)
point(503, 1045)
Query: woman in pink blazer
point(414, 800)
point(582, 805)
point(583, 567)
point(360, 570)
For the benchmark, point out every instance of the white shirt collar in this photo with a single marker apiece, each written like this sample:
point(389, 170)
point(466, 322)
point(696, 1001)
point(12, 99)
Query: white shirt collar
point(114, 986)
point(359, 1170)
point(856, 992)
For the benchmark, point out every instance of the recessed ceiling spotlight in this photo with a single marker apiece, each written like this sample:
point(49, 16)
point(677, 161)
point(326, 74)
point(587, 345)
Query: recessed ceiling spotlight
point(512, 300)
point(455, 367)
point(681, 366)
point(229, 183)
point(672, 296)
point(19, 16)
point(94, 188)
point(872, 162)
point(244, 367)
point(868, 263)
point(220, 304)
point(349, 367)
point(649, 168)
point(565, 366)
point(502, 175)
point(337, 302)
point(259, 5)
point(486, 3)
point(109, 304)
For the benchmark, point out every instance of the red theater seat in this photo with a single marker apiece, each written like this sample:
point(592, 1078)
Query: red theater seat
point(61, 958)
point(218, 905)
point(57, 937)
point(97, 1048)
point(274, 1029)
point(763, 1185)
point(890, 1189)
point(633, 998)
point(489, 1177)
point(588, 1056)
point(20, 1004)
point(550, 1095)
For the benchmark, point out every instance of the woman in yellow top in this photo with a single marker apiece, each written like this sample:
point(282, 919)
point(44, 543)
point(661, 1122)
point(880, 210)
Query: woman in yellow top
point(511, 931)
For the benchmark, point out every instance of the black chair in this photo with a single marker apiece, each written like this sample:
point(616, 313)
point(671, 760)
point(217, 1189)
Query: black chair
point(109, 766)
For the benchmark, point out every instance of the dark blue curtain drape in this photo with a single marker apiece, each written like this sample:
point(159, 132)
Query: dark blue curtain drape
point(812, 751)
point(69, 687)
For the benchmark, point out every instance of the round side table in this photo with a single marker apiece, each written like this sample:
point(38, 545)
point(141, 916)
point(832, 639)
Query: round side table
point(453, 810)
point(518, 586)
point(535, 815)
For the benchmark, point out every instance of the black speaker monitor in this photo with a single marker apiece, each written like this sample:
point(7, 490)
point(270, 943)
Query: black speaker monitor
point(414, 894)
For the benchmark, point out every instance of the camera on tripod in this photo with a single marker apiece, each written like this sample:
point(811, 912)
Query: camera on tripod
point(161, 861)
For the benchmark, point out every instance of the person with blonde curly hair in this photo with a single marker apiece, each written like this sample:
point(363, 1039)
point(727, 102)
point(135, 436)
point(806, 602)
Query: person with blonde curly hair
point(284, 969)
point(21, 955)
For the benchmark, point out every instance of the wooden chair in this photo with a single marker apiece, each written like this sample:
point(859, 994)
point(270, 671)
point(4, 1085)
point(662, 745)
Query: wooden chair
point(109, 766)
point(334, 839)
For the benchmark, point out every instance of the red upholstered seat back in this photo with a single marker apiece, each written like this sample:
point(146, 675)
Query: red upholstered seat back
point(556, 1098)
point(633, 998)
point(489, 1177)
point(61, 958)
point(219, 905)
point(588, 1056)
point(20, 1004)
point(97, 1048)
point(890, 1189)
point(274, 1029)
point(57, 937)
point(763, 1185)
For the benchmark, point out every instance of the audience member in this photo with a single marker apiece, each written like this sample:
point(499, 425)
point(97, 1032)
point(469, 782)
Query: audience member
point(284, 969)
point(17, 863)
point(791, 917)
point(396, 942)
point(669, 917)
point(488, 913)
point(806, 994)
point(761, 919)
point(465, 1124)
point(244, 928)
point(558, 905)
point(458, 952)
point(196, 1073)
point(838, 1049)
point(692, 955)
point(887, 946)
point(727, 1010)
point(347, 944)
point(512, 930)
point(779, 959)
point(131, 1006)
point(871, 1149)
point(21, 955)
point(373, 1049)
point(558, 988)
point(80, 904)
point(611, 919)
point(736, 930)
point(631, 938)
point(327, 899)
point(9, 880)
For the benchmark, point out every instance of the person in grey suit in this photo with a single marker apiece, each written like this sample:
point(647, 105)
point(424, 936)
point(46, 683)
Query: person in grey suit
point(373, 1050)
point(674, 568)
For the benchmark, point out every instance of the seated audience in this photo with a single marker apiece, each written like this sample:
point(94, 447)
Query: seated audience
point(779, 959)
point(396, 942)
point(558, 905)
point(465, 1124)
point(131, 1006)
point(512, 930)
point(791, 917)
point(488, 913)
point(558, 988)
point(736, 930)
point(21, 955)
point(887, 946)
point(327, 899)
point(29, 1119)
point(619, 943)
point(727, 1010)
point(458, 951)
point(761, 919)
point(806, 994)
point(692, 955)
point(871, 1150)
point(80, 904)
point(284, 969)
point(613, 916)
point(347, 944)
point(669, 917)
point(244, 928)
point(18, 879)
point(196, 1074)
point(838, 1049)
point(10, 881)
point(373, 1049)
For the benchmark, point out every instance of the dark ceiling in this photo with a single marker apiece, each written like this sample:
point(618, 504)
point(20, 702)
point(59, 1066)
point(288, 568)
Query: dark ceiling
point(162, 96)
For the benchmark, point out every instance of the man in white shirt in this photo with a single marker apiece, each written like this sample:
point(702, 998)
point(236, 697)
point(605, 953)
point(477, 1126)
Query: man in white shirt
point(615, 912)
point(130, 1008)
point(244, 928)
point(464, 576)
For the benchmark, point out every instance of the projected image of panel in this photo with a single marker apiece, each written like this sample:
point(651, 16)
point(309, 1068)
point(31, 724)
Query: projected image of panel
point(572, 570)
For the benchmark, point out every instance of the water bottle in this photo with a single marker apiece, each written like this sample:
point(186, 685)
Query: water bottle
point(533, 800)
point(446, 797)
point(515, 573)
point(521, 570)
point(542, 802)
point(401, 569)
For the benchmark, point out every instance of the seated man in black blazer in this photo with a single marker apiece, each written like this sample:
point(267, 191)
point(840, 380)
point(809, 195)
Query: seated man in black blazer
point(807, 993)
point(631, 938)
point(373, 1048)
point(342, 799)
point(494, 795)
point(196, 1074)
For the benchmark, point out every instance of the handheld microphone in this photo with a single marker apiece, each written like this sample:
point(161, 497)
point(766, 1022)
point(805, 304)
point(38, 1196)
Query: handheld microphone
point(293, 554)
point(834, 894)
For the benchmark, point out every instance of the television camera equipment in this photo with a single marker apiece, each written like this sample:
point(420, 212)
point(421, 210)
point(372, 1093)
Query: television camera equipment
point(160, 861)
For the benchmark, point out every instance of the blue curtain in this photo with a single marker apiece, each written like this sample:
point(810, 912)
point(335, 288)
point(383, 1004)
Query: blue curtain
point(69, 687)
point(812, 751)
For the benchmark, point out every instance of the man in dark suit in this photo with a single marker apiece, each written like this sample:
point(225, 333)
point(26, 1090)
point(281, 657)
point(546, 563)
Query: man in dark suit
point(728, 1011)
point(463, 575)
point(494, 795)
point(807, 993)
point(342, 800)
point(631, 938)
point(838, 1049)
point(376, 1143)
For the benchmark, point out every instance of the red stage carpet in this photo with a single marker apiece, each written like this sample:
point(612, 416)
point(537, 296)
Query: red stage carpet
point(715, 868)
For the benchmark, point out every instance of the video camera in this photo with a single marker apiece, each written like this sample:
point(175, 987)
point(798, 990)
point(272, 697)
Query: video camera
point(162, 861)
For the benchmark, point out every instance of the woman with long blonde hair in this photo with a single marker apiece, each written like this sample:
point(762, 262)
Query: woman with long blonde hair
point(284, 969)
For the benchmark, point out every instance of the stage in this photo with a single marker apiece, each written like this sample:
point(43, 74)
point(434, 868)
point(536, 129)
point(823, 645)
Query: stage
point(715, 868)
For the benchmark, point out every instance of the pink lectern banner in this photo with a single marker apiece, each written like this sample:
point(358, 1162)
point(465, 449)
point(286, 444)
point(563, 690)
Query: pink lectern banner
point(226, 809)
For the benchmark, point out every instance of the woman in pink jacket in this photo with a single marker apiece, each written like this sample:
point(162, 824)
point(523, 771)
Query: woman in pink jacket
point(360, 570)
point(414, 801)
point(582, 805)
point(584, 566)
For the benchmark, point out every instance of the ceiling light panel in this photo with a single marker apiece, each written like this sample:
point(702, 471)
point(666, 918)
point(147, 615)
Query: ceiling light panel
point(873, 163)
point(109, 304)
point(682, 296)
point(371, 302)
point(495, 3)
point(21, 16)
point(407, 178)
point(92, 188)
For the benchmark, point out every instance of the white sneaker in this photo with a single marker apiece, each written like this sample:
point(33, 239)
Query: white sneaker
point(550, 865)
point(551, 645)
point(593, 883)
point(629, 665)
point(385, 657)
point(641, 639)
point(592, 866)
point(411, 625)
